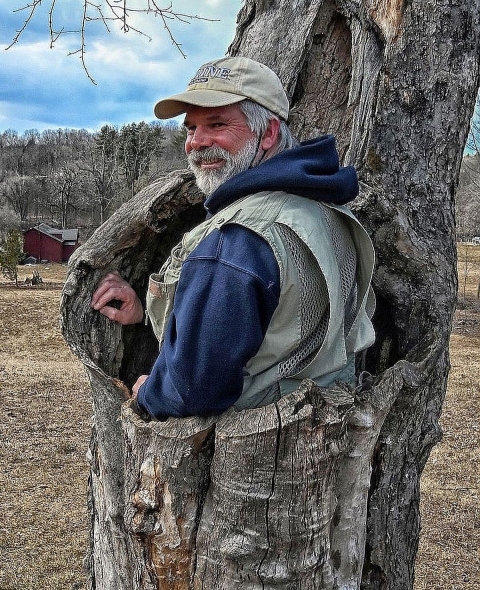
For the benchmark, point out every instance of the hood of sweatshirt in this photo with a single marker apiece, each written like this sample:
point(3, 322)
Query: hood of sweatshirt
point(311, 169)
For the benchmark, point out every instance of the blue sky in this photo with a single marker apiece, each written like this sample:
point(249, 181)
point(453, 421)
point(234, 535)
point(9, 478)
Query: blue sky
point(43, 88)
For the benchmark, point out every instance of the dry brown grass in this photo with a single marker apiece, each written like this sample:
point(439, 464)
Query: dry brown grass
point(45, 423)
point(449, 557)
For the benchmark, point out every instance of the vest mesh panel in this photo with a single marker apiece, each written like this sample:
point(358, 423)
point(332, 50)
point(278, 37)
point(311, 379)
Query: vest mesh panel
point(347, 260)
point(314, 309)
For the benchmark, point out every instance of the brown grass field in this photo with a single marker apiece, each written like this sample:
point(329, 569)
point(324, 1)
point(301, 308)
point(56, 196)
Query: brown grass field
point(45, 416)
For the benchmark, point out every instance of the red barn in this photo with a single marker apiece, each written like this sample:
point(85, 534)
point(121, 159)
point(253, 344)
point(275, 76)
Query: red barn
point(48, 243)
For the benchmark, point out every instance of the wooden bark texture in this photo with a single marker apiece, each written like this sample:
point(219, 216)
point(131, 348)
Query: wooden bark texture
point(134, 241)
point(265, 494)
point(266, 520)
point(273, 497)
point(396, 82)
point(166, 479)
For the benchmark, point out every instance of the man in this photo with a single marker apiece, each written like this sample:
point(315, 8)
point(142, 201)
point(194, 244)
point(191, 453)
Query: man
point(274, 286)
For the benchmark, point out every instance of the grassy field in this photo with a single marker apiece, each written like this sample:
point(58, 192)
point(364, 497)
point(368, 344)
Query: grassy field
point(44, 424)
point(449, 554)
point(45, 419)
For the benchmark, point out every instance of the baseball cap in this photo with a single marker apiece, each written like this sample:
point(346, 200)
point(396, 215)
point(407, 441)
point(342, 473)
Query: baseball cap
point(226, 81)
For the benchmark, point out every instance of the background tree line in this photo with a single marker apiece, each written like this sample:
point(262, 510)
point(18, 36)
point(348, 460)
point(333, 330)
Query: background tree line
point(74, 178)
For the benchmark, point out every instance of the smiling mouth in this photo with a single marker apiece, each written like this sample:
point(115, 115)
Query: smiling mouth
point(210, 164)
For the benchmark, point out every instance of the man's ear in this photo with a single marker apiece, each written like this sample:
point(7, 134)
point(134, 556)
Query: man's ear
point(270, 137)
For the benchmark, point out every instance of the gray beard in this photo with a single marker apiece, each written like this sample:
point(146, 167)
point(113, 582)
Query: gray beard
point(209, 180)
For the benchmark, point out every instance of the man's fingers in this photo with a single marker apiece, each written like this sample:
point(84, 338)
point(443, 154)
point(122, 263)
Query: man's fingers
point(138, 383)
point(114, 293)
point(109, 312)
point(121, 316)
point(112, 286)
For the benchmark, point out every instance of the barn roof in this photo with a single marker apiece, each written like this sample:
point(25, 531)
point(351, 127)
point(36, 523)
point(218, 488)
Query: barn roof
point(61, 235)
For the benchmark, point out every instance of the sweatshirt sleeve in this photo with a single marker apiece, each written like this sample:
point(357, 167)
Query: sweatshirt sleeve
point(226, 295)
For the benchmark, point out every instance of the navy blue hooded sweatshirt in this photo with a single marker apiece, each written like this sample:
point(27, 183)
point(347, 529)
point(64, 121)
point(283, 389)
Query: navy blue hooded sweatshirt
point(229, 288)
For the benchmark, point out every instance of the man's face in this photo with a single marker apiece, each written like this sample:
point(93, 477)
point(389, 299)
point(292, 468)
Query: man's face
point(219, 144)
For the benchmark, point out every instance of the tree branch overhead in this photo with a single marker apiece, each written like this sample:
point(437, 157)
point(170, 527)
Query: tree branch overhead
point(106, 12)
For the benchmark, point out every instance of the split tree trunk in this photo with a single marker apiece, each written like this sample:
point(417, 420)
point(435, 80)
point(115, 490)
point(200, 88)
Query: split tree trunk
point(396, 82)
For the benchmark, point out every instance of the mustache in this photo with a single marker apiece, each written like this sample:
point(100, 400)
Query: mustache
point(208, 155)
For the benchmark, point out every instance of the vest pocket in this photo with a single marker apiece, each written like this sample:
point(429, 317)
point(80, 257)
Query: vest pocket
point(159, 304)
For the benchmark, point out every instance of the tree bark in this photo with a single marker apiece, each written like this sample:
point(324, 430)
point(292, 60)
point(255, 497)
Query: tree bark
point(269, 497)
point(135, 240)
point(167, 470)
point(396, 82)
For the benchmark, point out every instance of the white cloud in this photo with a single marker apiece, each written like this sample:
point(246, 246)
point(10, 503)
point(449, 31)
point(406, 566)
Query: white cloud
point(215, 3)
point(44, 88)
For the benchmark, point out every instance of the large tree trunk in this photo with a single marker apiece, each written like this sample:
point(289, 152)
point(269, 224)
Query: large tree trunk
point(396, 82)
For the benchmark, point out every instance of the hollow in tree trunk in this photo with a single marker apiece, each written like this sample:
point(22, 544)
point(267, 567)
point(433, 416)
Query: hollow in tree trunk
point(216, 504)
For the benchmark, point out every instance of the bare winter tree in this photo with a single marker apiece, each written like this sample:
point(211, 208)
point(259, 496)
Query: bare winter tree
point(65, 194)
point(17, 191)
point(321, 490)
point(102, 167)
point(468, 195)
point(122, 13)
point(468, 198)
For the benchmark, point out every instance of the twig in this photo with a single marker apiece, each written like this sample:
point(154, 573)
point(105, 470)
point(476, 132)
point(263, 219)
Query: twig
point(117, 11)
point(33, 7)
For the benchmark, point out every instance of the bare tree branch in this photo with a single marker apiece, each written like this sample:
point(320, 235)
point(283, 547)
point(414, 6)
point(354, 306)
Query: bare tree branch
point(32, 7)
point(107, 11)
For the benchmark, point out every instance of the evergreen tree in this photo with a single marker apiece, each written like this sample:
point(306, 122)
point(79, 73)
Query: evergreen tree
point(11, 251)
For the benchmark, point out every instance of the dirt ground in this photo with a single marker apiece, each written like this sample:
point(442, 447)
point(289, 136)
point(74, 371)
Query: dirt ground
point(45, 417)
point(44, 428)
point(449, 553)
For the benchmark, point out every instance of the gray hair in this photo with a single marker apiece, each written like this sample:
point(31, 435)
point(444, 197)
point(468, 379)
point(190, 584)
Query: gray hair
point(258, 118)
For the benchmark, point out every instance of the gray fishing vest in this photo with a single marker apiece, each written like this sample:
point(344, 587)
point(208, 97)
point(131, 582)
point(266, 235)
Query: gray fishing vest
point(326, 262)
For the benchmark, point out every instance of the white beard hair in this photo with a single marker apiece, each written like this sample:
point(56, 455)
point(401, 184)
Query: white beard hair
point(209, 180)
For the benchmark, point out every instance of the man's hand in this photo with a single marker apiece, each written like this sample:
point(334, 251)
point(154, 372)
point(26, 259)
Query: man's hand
point(113, 288)
point(138, 383)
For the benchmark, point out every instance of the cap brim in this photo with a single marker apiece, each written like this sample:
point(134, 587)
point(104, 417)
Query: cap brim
point(179, 103)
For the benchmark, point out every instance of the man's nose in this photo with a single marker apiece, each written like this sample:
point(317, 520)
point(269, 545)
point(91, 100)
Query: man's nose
point(201, 138)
